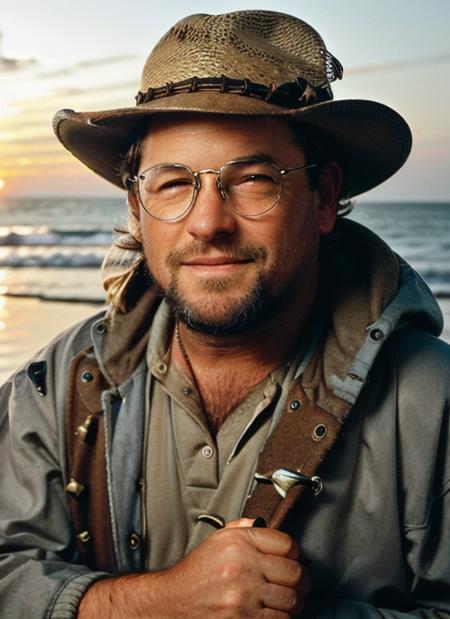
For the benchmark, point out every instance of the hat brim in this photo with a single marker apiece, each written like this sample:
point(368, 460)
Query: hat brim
point(369, 140)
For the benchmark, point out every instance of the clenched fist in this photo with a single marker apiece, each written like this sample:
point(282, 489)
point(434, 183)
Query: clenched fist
point(237, 571)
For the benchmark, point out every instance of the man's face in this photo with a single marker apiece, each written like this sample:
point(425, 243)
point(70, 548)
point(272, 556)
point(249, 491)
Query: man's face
point(220, 271)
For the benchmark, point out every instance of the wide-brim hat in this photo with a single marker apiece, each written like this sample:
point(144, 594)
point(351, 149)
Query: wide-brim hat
point(246, 63)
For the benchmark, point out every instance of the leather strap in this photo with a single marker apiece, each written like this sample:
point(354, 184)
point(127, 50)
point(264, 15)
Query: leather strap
point(300, 442)
point(299, 93)
point(86, 490)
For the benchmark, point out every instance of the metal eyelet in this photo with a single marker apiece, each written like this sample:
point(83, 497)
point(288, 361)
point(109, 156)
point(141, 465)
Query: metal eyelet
point(100, 328)
point(319, 432)
point(376, 335)
point(84, 537)
point(317, 485)
point(134, 540)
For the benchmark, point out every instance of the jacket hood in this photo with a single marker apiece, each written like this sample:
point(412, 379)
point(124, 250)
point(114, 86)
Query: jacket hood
point(371, 292)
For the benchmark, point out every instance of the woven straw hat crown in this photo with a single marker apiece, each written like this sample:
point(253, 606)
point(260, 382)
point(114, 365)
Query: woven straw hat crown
point(273, 48)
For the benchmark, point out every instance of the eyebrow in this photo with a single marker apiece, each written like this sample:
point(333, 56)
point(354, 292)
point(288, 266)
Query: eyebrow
point(258, 157)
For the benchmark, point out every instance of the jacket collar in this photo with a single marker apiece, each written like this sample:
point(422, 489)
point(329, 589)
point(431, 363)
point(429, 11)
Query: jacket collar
point(366, 293)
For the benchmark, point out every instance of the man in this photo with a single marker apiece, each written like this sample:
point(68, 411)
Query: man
point(262, 362)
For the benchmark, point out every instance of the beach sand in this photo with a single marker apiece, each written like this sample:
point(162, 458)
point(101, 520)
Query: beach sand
point(26, 325)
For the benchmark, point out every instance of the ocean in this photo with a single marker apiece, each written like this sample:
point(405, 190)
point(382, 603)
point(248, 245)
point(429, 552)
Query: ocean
point(52, 248)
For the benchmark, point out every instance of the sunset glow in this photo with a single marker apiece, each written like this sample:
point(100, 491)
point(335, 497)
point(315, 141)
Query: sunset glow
point(52, 70)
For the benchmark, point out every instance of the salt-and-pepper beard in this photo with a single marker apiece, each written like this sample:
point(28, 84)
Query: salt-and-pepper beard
point(251, 311)
point(258, 306)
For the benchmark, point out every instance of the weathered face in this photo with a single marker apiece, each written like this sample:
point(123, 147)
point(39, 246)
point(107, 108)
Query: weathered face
point(221, 271)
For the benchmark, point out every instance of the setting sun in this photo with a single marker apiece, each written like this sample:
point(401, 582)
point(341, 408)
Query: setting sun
point(2, 184)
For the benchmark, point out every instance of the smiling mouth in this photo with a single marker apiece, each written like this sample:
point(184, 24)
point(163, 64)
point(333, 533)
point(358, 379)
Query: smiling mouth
point(217, 266)
point(216, 262)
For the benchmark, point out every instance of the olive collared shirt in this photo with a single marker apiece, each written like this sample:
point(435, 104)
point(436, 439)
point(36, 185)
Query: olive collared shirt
point(187, 472)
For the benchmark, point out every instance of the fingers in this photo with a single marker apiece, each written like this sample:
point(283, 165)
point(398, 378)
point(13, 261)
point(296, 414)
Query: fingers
point(282, 571)
point(290, 576)
point(270, 613)
point(240, 522)
point(272, 542)
point(282, 599)
point(269, 559)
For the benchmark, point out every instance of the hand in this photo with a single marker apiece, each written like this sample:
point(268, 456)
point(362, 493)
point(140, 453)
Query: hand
point(236, 572)
point(243, 572)
point(304, 585)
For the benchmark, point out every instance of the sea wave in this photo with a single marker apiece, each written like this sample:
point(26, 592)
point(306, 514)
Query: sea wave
point(56, 238)
point(68, 259)
point(61, 298)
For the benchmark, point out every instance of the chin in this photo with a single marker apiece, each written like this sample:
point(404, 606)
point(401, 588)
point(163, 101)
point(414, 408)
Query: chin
point(219, 312)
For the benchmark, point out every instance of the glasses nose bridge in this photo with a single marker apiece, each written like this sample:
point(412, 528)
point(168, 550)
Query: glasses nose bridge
point(219, 185)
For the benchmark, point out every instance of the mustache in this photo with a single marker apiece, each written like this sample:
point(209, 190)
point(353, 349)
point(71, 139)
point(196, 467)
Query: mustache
point(234, 251)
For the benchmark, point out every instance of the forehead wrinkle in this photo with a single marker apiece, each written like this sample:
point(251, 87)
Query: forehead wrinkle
point(181, 140)
point(193, 124)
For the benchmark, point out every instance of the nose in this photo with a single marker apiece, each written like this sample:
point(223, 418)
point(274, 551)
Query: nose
point(210, 215)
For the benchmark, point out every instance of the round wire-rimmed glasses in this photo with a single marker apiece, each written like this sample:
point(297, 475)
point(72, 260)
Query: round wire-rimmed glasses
point(252, 187)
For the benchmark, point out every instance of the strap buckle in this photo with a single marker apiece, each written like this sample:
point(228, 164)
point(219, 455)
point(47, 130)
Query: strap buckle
point(285, 479)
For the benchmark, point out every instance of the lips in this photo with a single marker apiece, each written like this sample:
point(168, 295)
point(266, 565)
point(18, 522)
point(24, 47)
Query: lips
point(220, 256)
point(215, 261)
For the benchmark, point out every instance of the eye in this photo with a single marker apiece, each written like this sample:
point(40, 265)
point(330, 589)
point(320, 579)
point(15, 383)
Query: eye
point(251, 176)
point(174, 183)
point(167, 181)
point(257, 178)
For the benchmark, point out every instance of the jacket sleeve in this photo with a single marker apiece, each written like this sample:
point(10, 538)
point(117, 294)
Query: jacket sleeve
point(39, 576)
point(430, 557)
point(359, 610)
point(423, 478)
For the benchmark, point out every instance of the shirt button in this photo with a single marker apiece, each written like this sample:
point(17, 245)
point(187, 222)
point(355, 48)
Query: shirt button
point(207, 451)
point(161, 368)
point(187, 390)
point(134, 541)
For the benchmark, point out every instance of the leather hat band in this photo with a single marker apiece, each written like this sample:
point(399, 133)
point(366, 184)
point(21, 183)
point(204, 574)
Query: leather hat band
point(291, 94)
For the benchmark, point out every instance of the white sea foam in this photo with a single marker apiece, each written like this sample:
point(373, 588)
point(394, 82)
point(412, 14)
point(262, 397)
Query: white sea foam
point(55, 238)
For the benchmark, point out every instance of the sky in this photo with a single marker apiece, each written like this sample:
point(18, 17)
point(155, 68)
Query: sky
point(88, 56)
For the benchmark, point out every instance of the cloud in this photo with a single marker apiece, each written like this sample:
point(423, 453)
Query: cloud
point(10, 65)
point(399, 64)
point(88, 64)
point(70, 92)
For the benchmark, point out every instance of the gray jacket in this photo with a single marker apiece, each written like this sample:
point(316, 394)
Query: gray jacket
point(377, 538)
